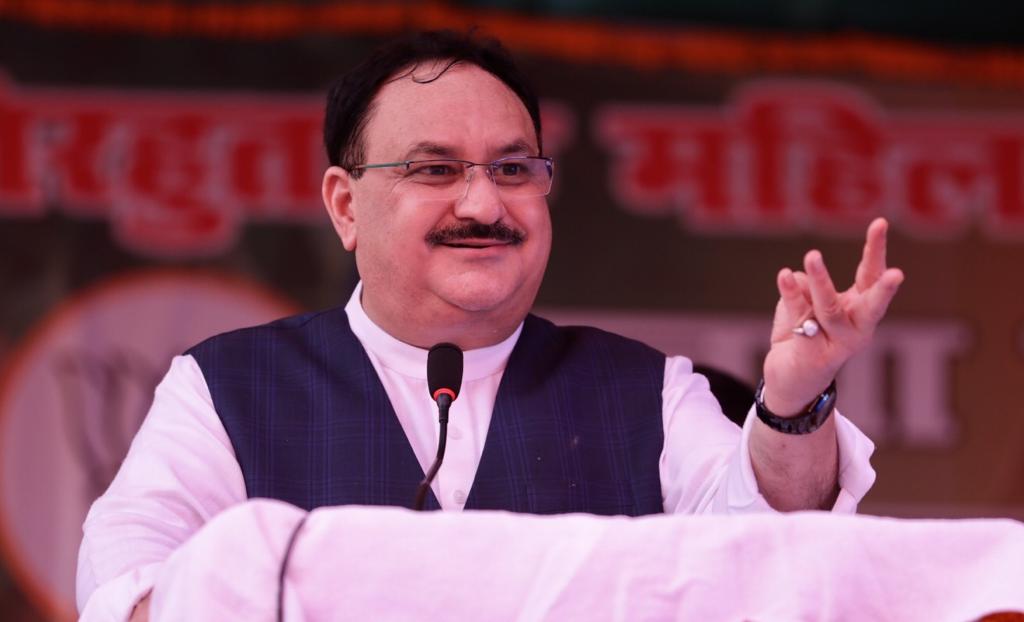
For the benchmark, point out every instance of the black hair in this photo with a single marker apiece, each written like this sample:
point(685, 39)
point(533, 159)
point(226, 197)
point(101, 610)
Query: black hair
point(350, 98)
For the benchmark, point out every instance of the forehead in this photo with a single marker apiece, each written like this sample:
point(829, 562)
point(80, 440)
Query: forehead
point(466, 110)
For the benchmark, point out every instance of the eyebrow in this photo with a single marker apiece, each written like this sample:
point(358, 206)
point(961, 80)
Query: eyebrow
point(515, 147)
point(439, 150)
point(430, 148)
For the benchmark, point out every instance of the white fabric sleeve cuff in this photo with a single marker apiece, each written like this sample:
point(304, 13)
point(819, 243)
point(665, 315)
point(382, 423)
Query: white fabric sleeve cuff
point(115, 600)
point(856, 474)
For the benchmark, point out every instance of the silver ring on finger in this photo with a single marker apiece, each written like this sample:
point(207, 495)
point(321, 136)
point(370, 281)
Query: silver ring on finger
point(807, 328)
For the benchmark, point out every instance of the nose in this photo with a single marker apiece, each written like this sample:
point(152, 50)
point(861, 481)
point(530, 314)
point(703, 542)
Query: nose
point(481, 201)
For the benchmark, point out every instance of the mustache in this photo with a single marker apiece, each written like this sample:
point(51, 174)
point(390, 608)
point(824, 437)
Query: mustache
point(498, 231)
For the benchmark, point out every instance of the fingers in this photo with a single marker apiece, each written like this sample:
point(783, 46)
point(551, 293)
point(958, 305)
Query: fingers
point(801, 279)
point(790, 288)
point(827, 308)
point(876, 299)
point(793, 291)
point(853, 314)
point(872, 262)
point(794, 303)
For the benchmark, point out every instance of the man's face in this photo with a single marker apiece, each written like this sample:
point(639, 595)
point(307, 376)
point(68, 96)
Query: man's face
point(465, 114)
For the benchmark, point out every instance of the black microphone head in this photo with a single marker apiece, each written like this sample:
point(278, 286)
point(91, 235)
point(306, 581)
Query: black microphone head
point(444, 370)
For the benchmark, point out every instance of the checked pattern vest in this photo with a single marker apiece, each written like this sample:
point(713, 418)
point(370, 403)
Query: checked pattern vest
point(576, 427)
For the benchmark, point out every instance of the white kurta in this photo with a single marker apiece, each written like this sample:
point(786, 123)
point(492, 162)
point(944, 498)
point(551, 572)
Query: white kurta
point(181, 471)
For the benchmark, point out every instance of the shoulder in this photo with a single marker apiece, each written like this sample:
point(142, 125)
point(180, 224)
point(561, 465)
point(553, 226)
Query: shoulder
point(300, 327)
point(588, 337)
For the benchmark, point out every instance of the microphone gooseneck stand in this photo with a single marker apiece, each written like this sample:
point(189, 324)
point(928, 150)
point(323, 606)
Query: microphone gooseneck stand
point(444, 380)
point(444, 402)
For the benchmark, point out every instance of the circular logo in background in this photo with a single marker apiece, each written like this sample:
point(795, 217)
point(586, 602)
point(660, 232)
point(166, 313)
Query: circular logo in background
point(74, 393)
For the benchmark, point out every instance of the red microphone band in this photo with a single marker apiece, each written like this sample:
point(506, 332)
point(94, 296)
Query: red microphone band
point(444, 391)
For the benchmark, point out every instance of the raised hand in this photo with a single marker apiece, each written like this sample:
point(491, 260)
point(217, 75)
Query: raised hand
point(799, 367)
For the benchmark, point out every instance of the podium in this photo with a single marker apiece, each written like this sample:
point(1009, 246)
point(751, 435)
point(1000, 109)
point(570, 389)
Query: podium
point(394, 564)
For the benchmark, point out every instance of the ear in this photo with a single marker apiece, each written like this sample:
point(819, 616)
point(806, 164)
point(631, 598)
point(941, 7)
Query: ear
point(337, 192)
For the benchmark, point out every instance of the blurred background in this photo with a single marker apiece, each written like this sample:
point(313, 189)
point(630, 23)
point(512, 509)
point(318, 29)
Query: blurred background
point(159, 182)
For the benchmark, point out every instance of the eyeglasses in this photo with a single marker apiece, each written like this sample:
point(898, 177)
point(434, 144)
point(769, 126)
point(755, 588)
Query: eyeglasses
point(516, 177)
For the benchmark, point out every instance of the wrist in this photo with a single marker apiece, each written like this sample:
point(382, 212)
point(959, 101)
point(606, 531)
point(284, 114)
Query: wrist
point(780, 406)
point(804, 420)
point(786, 398)
point(783, 405)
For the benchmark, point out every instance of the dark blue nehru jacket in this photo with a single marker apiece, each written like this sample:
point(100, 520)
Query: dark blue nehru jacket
point(577, 423)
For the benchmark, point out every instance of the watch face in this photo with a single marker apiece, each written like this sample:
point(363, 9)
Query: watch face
point(826, 401)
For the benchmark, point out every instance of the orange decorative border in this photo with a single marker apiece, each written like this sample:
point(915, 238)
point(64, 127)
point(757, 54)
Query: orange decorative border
point(574, 40)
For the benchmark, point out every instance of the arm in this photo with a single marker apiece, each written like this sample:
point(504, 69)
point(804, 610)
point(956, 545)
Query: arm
point(179, 472)
point(797, 472)
point(706, 465)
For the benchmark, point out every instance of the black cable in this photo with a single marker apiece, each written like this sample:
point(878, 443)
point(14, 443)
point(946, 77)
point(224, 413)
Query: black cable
point(284, 567)
point(444, 402)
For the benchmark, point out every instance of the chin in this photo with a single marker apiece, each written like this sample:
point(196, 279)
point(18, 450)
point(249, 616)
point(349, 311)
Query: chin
point(478, 294)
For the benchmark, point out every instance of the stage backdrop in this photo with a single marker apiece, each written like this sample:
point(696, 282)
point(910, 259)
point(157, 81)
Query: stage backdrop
point(159, 182)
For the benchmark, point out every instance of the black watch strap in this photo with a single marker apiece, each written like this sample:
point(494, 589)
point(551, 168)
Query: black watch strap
point(810, 420)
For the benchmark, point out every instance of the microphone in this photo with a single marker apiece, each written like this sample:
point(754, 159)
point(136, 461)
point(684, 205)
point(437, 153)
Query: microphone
point(444, 372)
point(444, 379)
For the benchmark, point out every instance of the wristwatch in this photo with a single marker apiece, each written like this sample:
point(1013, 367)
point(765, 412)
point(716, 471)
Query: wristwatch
point(806, 422)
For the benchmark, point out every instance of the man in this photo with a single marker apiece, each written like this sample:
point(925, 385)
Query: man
point(437, 183)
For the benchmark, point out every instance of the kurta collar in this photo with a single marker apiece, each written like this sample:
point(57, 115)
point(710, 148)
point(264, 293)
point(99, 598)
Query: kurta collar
point(411, 361)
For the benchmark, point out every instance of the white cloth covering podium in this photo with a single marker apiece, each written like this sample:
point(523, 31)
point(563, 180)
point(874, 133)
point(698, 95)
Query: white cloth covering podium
point(365, 563)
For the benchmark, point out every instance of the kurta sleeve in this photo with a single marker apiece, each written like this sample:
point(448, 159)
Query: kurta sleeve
point(705, 465)
point(180, 471)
